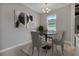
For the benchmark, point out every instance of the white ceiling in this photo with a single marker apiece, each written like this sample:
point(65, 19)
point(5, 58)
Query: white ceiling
point(38, 6)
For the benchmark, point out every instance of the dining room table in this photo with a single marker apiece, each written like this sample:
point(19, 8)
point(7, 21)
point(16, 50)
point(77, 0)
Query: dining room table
point(50, 35)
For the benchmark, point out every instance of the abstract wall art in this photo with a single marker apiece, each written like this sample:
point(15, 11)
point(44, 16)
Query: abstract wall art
point(21, 18)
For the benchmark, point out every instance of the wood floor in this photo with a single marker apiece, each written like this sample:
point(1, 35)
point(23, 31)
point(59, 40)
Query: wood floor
point(26, 50)
point(68, 51)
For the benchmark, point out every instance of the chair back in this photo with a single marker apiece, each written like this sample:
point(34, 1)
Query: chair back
point(35, 39)
point(60, 36)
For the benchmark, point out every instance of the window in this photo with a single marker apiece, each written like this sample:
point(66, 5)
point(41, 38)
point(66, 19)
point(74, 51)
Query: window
point(51, 21)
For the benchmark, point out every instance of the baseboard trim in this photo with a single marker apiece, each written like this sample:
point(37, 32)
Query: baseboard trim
point(15, 46)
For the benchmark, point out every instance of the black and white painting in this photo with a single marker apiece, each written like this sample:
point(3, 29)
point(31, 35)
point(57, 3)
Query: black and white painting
point(29, 21)
point(19, 18)
point(29, 18)
point(22, 19)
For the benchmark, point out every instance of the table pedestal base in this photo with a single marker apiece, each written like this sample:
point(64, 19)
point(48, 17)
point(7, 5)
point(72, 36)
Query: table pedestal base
point(47, 47)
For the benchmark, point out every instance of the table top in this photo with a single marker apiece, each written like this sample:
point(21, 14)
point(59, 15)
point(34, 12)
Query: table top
point(50, 33)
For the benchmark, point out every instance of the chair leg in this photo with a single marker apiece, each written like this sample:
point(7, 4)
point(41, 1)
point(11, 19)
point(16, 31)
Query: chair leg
point(46, 50)
point(32, 50)
point(56, 50)
point(62, 47)
point(38, 51)
point(52, 46)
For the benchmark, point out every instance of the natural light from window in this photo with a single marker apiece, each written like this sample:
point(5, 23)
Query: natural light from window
point(51, 21)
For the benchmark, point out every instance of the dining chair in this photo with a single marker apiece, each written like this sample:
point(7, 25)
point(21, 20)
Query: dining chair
point(37, 41)
point(50, 36)
point(59, 40)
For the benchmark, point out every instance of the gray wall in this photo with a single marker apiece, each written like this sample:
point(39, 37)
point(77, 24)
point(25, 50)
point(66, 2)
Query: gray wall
point(11, 36)
point(63, 20)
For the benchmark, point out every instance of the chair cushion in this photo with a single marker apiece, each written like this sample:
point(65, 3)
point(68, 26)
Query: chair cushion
point(42, 41)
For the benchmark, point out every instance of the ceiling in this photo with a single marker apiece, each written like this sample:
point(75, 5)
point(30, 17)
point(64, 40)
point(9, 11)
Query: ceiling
point(38, 6)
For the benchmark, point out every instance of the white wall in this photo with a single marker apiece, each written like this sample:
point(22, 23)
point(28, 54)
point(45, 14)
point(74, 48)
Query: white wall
point(0, 27)
point(72, 24)
point(63, 20)
point(12, 36)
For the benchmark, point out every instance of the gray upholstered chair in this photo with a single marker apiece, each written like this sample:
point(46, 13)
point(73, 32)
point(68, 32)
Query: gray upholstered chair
point(59, 40)
point(37, 41)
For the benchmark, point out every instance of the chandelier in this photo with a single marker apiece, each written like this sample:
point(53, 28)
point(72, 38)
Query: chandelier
point(46, 9)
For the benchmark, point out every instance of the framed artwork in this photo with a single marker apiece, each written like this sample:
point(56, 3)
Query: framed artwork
point(29, 18)
point(30, 21)
point(19, 18)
